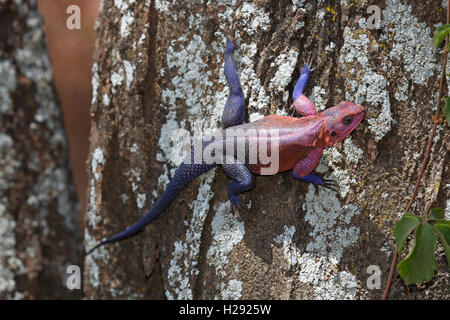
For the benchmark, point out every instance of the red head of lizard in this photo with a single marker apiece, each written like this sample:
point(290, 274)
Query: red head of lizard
point(339, 121)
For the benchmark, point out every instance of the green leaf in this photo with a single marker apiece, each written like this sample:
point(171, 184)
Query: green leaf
point(420, 264)
point(403, 228)
point(447, 110)
point(439, 35)
point(436, 214)
point(442, 228)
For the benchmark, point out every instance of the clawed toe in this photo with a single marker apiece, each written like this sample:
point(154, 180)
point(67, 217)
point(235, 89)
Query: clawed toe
point(330, 184)
point(309, 62)
point(236, 211)
point(335, 189)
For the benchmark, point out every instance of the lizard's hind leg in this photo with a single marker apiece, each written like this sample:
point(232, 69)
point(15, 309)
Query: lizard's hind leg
point(234, 111)
point(241, 176)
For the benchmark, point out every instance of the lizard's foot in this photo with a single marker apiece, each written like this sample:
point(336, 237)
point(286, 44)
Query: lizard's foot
point(309, 61)
point(317, 180)
point(234, 199)
point(330, 184)
point(236, 212)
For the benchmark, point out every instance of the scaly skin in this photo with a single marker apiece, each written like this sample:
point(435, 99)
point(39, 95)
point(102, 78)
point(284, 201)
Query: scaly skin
point(300, 140)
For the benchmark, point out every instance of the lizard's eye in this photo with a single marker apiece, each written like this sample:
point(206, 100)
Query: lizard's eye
point(347, 120)
point(333, 133)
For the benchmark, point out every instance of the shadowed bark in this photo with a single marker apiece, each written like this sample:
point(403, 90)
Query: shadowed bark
point(158, 67)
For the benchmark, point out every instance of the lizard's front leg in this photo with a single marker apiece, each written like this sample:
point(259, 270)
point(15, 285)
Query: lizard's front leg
point(303, 168)
point(302, 104)
point(234, 110)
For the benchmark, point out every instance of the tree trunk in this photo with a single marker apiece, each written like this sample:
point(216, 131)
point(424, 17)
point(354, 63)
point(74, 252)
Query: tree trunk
point(39, 225)
point(159, 67)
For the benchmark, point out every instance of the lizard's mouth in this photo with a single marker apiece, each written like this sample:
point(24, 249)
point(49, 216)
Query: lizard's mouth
point(358, 118)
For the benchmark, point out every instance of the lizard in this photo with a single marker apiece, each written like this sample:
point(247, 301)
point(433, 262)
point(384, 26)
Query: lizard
point(300, 144)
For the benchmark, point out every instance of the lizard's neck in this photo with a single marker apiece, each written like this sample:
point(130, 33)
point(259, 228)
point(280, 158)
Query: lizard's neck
point(320, 139)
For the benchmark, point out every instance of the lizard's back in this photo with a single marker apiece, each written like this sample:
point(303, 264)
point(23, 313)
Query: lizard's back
point(293, 138)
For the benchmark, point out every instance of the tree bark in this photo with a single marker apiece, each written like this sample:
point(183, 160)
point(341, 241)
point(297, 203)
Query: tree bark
point(39, 225)
point(159, 67)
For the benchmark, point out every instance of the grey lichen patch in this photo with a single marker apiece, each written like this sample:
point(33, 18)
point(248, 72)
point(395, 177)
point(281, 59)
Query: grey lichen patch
point(318, 97)
point(286, 63)
point(332, 233)
point(95, 82)
point(315, 267)
point(9, 166)
point(328, 283)
point(291, 253)
point(353, 153)
point(7, 250)
point(401, 93)
point(299, 4)
point(117, 78)
point(97, 161)
point(129, 72)
point(411, 41)
point(8, 83)
point(34, 63)
point(141, 198)
point(8, 161)
point(101, 254)
point(258, 97)
point(227, 232)
point(232, 290)
point(184, 261)
point(252, 18)
point(364, 86)
point(333, 160)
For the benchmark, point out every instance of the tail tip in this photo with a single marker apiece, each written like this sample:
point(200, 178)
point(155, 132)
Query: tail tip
point(96, 247)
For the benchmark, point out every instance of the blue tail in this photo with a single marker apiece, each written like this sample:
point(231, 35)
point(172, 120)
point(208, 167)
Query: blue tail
point(184, 174)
